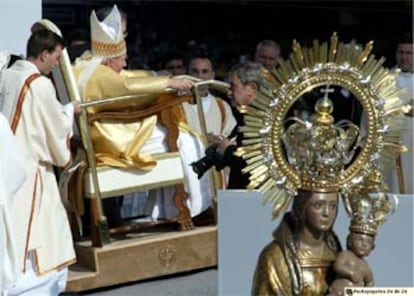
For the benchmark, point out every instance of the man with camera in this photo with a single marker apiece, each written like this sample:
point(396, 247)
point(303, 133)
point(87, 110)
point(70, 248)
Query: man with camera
point(245, 80)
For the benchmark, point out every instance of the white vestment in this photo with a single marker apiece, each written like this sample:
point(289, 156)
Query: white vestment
point(43, 130)
point(219, 121)
point(219, 118)
point(160, 202)
point(12, 176)
point(406, 80)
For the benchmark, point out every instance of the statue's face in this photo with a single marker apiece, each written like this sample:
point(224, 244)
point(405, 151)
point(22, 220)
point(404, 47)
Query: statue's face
point(361, 244)
point(320, 211)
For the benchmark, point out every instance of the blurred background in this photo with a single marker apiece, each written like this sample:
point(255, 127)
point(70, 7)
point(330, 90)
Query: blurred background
point(229, 30)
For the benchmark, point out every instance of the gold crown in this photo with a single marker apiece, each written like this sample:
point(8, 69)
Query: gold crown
point(318, 150)
point(370, 205)
point(318, 154)
point(370, 229)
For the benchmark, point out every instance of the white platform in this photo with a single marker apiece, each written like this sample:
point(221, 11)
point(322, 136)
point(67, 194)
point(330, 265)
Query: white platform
point(245, 227)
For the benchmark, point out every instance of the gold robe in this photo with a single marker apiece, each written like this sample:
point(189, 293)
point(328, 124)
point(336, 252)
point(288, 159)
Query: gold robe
point(117, 142)
point(284, 270)
point(120, 142)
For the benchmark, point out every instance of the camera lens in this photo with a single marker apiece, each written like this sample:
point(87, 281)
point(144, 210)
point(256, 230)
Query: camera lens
point(201, 166)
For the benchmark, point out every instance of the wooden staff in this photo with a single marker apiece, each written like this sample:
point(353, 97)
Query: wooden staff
point(216, 84)
point(400, 175)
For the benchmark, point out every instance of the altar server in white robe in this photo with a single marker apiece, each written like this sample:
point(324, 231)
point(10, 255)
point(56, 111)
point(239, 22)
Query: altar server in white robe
point(42, 127)
point(405, 79)
point(218, 115)
point(12, 176)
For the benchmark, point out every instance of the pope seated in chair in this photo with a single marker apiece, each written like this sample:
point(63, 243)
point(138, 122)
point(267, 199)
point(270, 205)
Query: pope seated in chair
point(129, 142)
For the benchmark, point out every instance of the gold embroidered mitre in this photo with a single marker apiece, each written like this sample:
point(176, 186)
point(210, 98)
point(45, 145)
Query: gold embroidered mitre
point(107, 38)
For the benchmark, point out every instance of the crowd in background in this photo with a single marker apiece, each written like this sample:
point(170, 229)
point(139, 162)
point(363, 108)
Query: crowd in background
point(229, 31)
point(147, 51)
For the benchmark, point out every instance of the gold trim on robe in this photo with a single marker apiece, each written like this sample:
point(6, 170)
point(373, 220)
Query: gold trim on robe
point(315, 271)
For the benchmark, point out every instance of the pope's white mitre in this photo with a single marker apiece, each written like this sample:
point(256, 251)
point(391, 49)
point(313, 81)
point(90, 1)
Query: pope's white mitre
point(107, 38)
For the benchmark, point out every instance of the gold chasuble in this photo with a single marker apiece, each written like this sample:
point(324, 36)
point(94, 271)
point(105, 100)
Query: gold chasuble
point(119, 130)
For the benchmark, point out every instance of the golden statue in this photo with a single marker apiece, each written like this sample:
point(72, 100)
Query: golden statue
point(297, 261)
point(350, 267)
point(314, 161)
point(369, 209)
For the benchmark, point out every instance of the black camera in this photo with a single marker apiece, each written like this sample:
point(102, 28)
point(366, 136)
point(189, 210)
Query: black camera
point(204, 164)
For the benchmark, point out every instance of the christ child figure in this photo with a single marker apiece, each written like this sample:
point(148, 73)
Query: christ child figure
point(350, 266)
